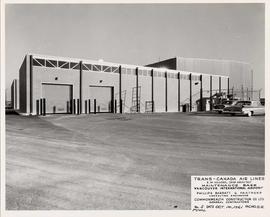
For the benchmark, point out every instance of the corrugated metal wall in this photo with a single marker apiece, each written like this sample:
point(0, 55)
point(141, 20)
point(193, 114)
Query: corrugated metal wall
point(240, 73)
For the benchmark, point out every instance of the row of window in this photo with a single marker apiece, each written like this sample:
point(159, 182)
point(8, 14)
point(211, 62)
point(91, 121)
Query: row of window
point(130, 71)
point(72, 65)
point(104, 68)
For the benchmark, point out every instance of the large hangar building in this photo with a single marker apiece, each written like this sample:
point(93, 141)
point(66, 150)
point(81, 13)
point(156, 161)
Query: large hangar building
point(50, 84)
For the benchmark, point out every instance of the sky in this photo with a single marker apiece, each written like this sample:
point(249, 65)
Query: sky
point(136, 34)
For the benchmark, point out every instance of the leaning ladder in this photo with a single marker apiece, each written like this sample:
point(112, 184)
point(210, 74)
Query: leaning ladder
point(135, 103)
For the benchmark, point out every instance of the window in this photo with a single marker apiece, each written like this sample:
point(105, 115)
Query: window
point(63, 64)
point(124, 71)
point(195, 77)
point(115, 69)
point(38, 62)
point(144, 72)
point(96, 67)
point(185, 76)
point(51, 63)
point(107, 69)
point(54, 62)
point(74, 65)
point(133, 71)
point(84, 67)
point(89, 66)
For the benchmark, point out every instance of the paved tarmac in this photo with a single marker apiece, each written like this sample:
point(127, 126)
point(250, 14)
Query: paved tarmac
point(131, 161)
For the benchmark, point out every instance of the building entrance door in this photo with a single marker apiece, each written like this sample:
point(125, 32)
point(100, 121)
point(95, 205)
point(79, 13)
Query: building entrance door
point(58, 97)
point(103, 96)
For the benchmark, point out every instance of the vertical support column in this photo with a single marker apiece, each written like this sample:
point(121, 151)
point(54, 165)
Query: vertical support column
point(89, 106)
point(219, 84)
point(166, 91)
point(41, 106)
point(31, 83)
point(44, 106)
point(211, 79)
point(71, 106)
point(228, 86)
point(37, 107)
point(78, 106)
point(137, 89)
point(16, 94)
point(95, 106)
point(121, 105)
point(68, 106)
point(201, 93)
point(112, 99)
point(112, 106)
point(85, 106)
point(120, 90)
point(15, 103)
point(179, 86)
point(152, 89)
point(115, 106)
point(74, 106)
point(80, 96)
point(190, 92)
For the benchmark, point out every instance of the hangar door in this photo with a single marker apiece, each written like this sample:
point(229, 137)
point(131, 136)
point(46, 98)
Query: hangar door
point(58, 97)
point(103, 96)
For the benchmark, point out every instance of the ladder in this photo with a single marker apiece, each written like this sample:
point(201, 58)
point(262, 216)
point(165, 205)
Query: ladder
point(134, 102)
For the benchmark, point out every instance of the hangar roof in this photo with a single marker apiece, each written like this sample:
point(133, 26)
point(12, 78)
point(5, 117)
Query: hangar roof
point(96, 62)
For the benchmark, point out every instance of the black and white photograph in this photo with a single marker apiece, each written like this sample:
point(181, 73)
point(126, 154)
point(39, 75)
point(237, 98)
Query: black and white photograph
point(138, 106)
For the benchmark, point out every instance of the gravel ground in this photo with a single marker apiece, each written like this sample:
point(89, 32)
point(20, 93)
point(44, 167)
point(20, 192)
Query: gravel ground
point(130, 161)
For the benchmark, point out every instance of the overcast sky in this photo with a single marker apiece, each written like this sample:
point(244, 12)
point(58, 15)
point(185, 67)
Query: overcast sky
point(136, 34)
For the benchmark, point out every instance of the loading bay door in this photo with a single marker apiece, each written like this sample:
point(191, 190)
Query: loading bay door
point(57, 97)
point(103, 96)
